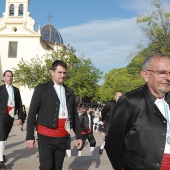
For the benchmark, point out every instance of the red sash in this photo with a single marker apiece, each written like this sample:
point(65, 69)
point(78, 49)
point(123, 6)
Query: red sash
point(166, 162)
point(8, 109)
point(58, 132)
point(83, 133)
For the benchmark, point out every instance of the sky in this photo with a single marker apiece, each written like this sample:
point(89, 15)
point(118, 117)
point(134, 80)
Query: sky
point(103, 30)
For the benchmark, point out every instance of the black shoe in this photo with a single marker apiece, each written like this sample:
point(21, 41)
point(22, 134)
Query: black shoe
point(100, 151)
point(4, 158)
point(2, 164)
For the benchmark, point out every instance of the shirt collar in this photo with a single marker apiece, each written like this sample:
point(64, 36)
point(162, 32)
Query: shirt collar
point(8, 86)
point(160, 100)
point(57, 85)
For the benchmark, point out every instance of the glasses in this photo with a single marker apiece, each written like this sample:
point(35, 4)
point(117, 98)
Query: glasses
point(161, 74)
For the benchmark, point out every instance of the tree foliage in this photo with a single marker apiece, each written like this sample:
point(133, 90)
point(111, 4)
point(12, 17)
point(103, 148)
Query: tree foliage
point(119, 79)
point(156, 27)
point(82, 75)
point(33, 72)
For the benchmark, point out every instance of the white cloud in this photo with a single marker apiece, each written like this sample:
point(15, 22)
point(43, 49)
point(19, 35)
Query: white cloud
point(106, 42)
point(109, 42)
point(144, 5)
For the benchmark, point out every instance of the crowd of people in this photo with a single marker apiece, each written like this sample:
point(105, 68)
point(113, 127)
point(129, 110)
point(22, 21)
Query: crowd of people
point(136, 125)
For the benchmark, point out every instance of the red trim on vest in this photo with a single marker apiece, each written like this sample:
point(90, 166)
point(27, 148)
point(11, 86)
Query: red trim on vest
point(58, 132)
point(84, 133)
point(8, 109)
point(166, 162)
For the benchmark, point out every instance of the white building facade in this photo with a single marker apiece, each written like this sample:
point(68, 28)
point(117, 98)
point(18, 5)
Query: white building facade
point(18, 40)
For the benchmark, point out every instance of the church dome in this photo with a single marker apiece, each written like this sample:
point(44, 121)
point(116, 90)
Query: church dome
point(51, 35)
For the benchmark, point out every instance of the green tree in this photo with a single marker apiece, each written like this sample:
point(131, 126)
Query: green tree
point(34, 72)
point(117, 79)
point(82, 75)
point(123, 79)
point(84, 78)
point(156, 27)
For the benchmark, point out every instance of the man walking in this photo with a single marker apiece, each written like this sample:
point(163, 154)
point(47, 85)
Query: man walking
point(55, 107)
point(86, 123)
point(10, 105)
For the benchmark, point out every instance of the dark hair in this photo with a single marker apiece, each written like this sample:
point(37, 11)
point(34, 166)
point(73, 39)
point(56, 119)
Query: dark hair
point(88, 107)
point(58, 63)
point(8, 71)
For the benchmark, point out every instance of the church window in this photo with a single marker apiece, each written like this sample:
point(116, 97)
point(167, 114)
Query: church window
point(12, 50)
point(11, 10)
point(21, 9)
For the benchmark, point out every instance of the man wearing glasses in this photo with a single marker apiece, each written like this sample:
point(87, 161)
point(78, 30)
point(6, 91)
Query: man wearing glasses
point(139, 135)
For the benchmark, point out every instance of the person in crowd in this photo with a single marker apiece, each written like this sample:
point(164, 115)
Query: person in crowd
point(54, 105)
point(86, 123)
point(106, 114)
point(79, 110)
point(10, 105)
point(139, 134)
point(96, 121)
point(101, 126)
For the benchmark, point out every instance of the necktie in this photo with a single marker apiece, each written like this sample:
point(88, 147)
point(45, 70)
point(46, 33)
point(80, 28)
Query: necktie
point(62, 101)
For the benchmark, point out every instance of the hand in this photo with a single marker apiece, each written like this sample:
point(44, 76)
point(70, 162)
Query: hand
point(19, 122)
point(79, 143)
point(30, 144)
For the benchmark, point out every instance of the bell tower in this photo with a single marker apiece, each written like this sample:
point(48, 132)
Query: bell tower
point(16, 7)
point(16, 11)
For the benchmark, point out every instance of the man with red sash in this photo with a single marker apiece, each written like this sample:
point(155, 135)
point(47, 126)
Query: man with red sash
point(10, 105)
point(86, 123)
point(55, 107)
point(139, 134)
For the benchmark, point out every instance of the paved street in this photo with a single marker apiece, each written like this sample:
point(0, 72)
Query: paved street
point(21, 158)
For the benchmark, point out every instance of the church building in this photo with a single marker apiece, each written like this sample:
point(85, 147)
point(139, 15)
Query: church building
point(18, 39)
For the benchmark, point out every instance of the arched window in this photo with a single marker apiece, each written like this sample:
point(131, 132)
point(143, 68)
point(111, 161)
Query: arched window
point(21, 10)
point(11, 10)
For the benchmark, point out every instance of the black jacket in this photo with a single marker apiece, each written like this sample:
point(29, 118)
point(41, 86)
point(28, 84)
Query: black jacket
point(4, 101)
point(45, 104)
point(106, 114)
point(137, 134)
point(84, 122)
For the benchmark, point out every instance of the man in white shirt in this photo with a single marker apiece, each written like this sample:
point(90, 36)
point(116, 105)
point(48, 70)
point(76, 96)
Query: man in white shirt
point(53, 103)
point(10, 105)
point(139, 134)
point(86, 124)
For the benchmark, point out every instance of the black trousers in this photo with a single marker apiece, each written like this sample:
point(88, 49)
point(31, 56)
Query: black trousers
point(90, 138)
point(6, 122)
point(51, 152)
point(68, 142)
